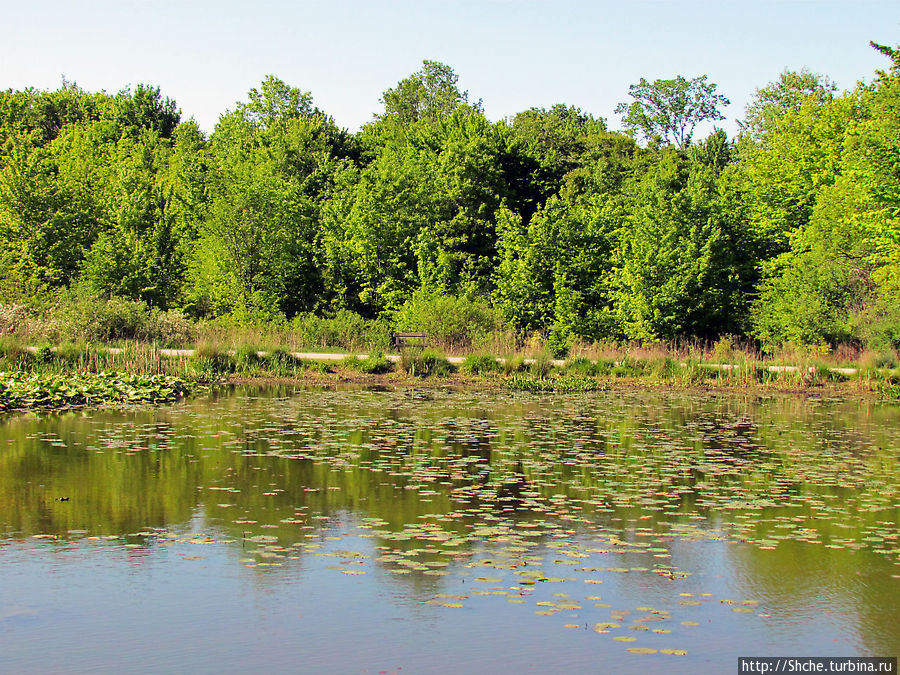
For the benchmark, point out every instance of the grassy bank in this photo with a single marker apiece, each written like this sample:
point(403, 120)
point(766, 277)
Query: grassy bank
point(85, 374)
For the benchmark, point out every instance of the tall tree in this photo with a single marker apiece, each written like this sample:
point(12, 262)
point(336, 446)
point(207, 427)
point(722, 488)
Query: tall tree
point(682, 265)
point(259, 251)
point(671, 109)
point(428, 94)
point(784, 96)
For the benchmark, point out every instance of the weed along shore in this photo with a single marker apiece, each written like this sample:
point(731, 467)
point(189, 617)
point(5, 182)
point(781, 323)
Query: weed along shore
point(69, 375)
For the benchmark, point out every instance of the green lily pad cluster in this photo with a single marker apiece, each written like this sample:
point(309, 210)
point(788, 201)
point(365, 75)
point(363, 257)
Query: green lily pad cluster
point(560, 385)
point(50, 390)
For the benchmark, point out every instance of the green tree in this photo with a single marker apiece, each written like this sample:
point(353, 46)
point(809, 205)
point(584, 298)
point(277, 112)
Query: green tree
point(682, 267)
point(784, 96)
point(553, 273)
point(671, 109)
point(428, 94)
point(259, 251)
point(47, 221)
point(153, 200)
point(836, 280)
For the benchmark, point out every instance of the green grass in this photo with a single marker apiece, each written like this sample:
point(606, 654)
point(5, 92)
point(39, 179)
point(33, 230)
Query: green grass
point(373, 364)
point(480, 364)
point(424, 363)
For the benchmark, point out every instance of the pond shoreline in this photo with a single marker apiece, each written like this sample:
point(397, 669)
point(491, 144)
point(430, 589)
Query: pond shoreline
point(459, 381)
point(47, 379)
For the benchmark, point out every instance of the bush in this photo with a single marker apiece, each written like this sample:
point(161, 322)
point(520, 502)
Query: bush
point(14, 354)
point(374, 364)
point(664, 368)
point(480, 364)
point(171, 328)
point(513, 364)
point(423, 363)
point(723, 350)
point(540, 365)
point(79, 314)
point(454, 323)
point(629, 367)
point(14, 319)
point(581, 366)
point(246, 359)
point(559, 344)
point(281, 362)
point(210, 362)
point(346, 331)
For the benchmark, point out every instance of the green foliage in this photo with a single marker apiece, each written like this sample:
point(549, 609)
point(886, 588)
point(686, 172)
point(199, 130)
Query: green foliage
point(543, 385)
point(513, 364)
point(79, 314)
point(582, 367)
point(19, 390)
point(282, 363)
point(15, 319)
point(424, 363)
point(785, 95)
point(540, 365)
point(683, 265)
point(837, 280)
point(211, 362)
point(373, 364)
point(345, 331)
point(426, 95)
point(451, 322)
point(671, 109)
point(480, 364)
point(115, 215)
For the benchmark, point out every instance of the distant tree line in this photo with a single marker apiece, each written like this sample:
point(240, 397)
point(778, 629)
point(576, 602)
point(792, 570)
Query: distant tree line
point(788, 233)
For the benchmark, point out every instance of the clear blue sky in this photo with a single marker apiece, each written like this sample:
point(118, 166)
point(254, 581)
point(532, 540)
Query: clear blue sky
point(513, 54)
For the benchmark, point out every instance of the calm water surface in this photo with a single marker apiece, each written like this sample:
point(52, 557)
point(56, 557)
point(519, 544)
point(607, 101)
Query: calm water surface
point(433, 532)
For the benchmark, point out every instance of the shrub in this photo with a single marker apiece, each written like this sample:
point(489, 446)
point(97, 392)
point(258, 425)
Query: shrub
point(664, 368)
point(345, 330)
point(246, 359)
point(581, 366)
point(559, 344)
point(723, 350)
point(480, 364)
point(604, 367)
point(171, 328)
point(80, 314)
point(210, 362)
point(14, 355)
point(454, 323)
point(513, 364)
point(540, 365)
point(374, 364)
point(281, 362)
point(423, 363)
point(14, 319)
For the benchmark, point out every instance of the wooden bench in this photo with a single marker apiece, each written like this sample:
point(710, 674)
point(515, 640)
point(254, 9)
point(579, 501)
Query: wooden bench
point(402, 340)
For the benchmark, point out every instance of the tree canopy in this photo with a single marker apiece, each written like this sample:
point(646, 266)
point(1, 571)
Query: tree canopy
point(546, 221)
point(671, 109)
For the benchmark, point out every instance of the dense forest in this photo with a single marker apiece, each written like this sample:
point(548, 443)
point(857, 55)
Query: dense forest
point(544, 222)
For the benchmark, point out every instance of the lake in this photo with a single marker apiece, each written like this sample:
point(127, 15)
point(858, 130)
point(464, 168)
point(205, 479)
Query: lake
point(431, 531)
